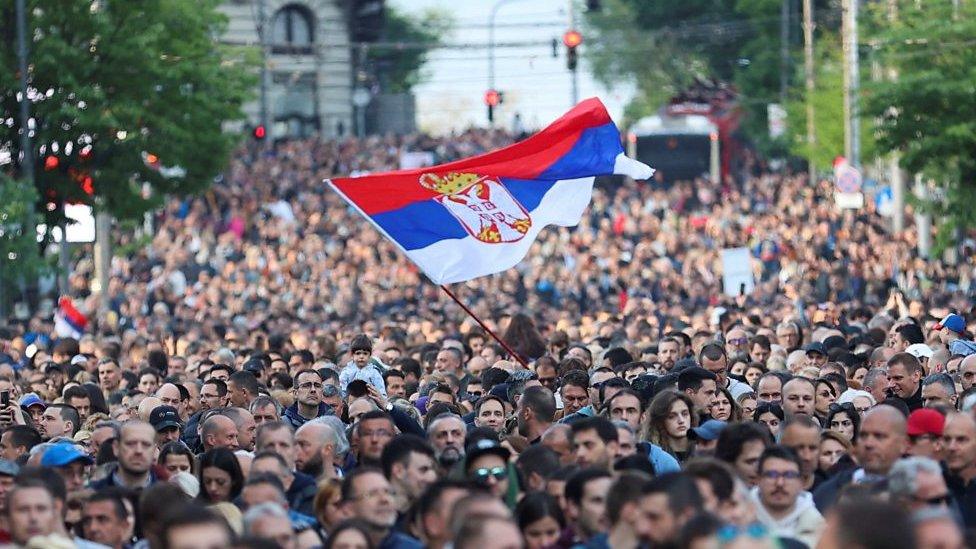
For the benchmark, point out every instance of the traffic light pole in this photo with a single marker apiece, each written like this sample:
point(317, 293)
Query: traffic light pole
point(491, 46)
point(26, 150)
point(574, 73)
point(265, 74)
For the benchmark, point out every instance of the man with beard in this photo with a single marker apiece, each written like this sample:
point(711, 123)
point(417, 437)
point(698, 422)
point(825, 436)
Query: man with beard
point(369, 497)
point(535, 413)
point(782, 505)
point(669, 352)
point(134, 450)
point(446, 434)
point(316, 443)
point(666, 504)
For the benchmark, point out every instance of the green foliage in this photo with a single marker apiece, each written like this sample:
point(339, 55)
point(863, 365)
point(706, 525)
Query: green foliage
point(128, 78)
point(20, 260)
point(399, 68)
point(928, 113)
point(661, 45)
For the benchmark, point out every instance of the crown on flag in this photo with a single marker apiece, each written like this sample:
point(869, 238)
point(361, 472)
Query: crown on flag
point(450, 183)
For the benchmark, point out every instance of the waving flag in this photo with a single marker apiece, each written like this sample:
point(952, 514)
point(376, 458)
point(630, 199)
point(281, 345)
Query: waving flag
point(68, 320)
point(480, 215)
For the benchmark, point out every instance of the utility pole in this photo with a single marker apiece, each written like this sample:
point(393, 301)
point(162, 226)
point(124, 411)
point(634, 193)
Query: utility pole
point(808, 70)
point(784, 50)
point(852, 84)
point(26, 149)
point(265, 74)
point(898, 175)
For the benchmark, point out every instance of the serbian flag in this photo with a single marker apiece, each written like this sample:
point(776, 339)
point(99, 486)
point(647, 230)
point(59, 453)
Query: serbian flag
point(479, 216)
point(68, 320)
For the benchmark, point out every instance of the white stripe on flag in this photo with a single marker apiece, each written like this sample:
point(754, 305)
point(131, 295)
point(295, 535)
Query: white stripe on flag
point(460, 259)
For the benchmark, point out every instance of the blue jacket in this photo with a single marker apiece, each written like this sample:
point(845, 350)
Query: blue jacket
point(296, 420)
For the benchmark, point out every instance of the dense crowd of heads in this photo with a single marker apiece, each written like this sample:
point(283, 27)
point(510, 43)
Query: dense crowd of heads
point(272, 373)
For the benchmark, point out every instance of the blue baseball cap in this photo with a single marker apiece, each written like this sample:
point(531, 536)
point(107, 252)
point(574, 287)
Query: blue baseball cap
point(31, 399)
point(710, 430)
point(62, 454)
point(9, 468)
point(954, 322)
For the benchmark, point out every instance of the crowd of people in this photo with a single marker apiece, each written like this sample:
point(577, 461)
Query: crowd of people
point(271, 372)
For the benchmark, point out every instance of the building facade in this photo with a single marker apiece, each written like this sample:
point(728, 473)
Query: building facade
point(309, 60)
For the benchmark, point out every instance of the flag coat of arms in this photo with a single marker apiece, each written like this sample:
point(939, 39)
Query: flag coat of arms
point(479, 216)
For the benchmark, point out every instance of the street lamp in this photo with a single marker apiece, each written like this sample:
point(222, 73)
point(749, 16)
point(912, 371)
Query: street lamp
point(491, 42)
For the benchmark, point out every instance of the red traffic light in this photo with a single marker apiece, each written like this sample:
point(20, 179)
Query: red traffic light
point(492, 98)
point(259, 132)
point(51, 162)
point(572, 38)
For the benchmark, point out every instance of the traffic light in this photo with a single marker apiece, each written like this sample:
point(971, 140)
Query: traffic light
point(259, 133)
point(493, 98)
point(572, 39)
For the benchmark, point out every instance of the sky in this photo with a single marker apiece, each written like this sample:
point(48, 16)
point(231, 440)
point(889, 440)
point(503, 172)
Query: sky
point(535, 85)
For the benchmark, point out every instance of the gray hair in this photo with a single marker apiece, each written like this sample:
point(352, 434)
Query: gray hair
point(621, 424)
point(945, 380)
point(262, 401)
point(874, 375)
point(903, 477)
point(440, 418)
point(112, 424)
point(224, 356)
point(335, 433)
point(263, 510)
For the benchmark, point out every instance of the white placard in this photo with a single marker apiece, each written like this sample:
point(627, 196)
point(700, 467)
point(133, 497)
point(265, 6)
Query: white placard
point(737, 271)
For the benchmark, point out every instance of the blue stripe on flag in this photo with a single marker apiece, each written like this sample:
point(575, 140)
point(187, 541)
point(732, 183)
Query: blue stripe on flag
point(594, 153)
point(421, 224)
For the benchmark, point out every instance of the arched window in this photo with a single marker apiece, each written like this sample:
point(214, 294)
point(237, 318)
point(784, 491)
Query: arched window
point(291, 30)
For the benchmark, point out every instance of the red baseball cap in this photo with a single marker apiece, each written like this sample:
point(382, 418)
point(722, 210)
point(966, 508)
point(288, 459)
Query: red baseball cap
point(925, 421)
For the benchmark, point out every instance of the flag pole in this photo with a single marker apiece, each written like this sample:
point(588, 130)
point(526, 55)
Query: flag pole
point(484, 327)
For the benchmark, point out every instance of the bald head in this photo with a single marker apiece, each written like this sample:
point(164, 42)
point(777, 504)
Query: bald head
point(219, 432)
point(147, 405)
point(967, 371)
point(889, 416)
point(882, 440)
point(959, 440)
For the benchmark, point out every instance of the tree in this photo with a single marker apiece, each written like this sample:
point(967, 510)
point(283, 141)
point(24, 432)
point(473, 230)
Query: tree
point(20, 260)
point(123, 93)
point(660, 46)
point(928, 112)
point(405, 42)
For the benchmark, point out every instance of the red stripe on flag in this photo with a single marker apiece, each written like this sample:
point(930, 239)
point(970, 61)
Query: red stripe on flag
point(527, 159)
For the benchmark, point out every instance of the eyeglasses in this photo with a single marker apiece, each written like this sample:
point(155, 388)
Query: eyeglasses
point(944, 499)
point(739, 341)
point(482, 475)
point(785, 475)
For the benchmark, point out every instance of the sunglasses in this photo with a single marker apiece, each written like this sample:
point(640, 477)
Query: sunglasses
point(482, 475)
point(945, 499)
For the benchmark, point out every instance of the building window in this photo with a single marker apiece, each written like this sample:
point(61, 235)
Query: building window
point(291, 31)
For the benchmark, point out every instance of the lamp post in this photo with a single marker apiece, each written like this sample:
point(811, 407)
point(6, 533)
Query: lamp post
point(491, 44)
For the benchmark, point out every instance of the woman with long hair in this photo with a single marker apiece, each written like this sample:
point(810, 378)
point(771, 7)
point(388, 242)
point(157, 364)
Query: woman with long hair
point(523, 337)
point(540, 519)
point(724, 407)
point(221, 478)
point(670, 416)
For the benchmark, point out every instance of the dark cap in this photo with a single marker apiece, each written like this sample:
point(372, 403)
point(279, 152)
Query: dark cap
point(815, 348)
point(164, 417)
point(485, 447)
